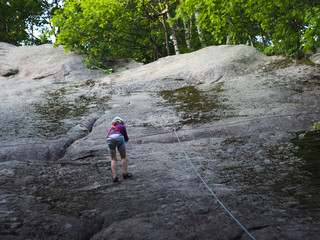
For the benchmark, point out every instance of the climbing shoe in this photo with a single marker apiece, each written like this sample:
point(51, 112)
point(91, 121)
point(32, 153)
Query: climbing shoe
point(116, 179)
point(127, 175)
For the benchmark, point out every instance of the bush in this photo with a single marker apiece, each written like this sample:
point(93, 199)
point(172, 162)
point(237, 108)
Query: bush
point(316, 126)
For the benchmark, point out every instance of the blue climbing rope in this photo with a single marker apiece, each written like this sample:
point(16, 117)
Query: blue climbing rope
point(175, 131)
point(229, 124)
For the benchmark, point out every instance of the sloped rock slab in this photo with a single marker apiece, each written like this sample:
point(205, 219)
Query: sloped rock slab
point(246, 124)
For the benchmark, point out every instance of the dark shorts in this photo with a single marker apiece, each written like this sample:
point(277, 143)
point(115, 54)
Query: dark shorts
point(116, 141)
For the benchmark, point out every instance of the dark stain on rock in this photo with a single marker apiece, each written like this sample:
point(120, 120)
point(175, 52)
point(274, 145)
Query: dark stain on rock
point(195, 106)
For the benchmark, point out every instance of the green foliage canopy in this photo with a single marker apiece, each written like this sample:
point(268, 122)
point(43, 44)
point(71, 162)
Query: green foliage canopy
point(149, 29)
point(133, 28)
point(284, 26)
point(311, 35)
point(113, 28)
point(22, 20)
point(15, 15)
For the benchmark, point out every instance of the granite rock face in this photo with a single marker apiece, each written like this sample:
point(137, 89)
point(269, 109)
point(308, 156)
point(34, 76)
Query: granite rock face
point(245, 121)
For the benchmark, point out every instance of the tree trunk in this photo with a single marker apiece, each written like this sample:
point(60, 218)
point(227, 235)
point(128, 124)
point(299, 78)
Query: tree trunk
point(251, 42)
point(165, 31)
point(199, 30)
point(191, 36)
point(166, 34)
point(32, 31)
point(173, 32)
point(261, 35)
point(187, 31)
point(228, 42)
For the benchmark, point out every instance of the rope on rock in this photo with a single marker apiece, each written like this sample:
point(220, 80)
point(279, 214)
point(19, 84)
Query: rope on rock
point(175, 131)
point(233, 123)
point(222, 125)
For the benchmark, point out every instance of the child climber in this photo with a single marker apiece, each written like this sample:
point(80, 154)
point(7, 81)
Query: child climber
point(117, 138)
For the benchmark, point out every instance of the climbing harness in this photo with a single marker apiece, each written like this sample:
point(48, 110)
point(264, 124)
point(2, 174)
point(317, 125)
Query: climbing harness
point(114, 128)
point(175, 131)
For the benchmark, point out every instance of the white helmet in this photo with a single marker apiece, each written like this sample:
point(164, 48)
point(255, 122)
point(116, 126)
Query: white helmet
point(117, 119)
